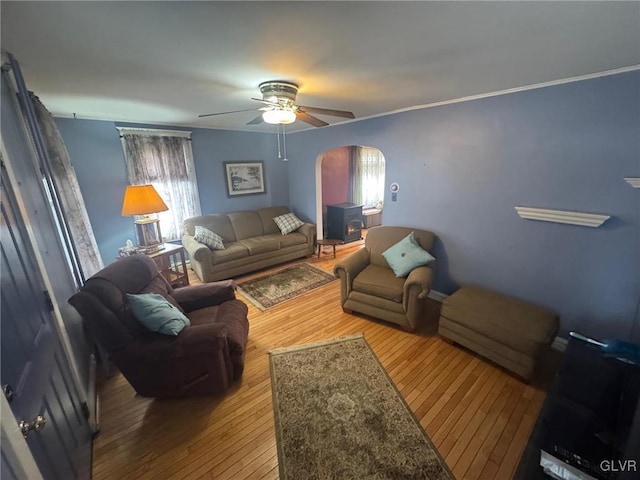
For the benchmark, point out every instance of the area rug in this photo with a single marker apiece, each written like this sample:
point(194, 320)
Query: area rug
point(277, 287)
point(338, 415)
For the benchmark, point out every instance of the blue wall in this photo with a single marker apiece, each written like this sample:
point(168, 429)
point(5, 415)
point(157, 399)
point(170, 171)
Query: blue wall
point(96, 153)
point(213, 147)
point(462, 168)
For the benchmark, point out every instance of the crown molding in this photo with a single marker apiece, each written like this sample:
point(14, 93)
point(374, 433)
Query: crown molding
point(561, 216)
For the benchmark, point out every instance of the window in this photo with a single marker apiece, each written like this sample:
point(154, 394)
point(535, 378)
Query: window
point(368, 176)
point(164, 159)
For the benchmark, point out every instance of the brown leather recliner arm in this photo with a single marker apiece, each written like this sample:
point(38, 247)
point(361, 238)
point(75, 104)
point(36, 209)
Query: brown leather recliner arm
point(195, 297)
point(202, 338)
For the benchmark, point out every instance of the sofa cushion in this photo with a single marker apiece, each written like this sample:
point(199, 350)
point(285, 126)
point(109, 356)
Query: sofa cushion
point(406, 255)
point(261, 244)
point(157, 314)
point(380, 282)
point(289, 239)
point(246, 224)
point(209, 238)
point(232, 251)
point(267, 215)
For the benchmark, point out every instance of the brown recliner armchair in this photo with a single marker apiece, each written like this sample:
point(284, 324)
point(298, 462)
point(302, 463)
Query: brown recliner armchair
point(204, 358)
point(369, 286)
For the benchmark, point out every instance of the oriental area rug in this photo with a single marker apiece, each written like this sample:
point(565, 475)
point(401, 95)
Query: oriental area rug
point(338, 415)
point(277, 287)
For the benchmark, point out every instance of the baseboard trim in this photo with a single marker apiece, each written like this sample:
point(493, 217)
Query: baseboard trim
point(437, 296)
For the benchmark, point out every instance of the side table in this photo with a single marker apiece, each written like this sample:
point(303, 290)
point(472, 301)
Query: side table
point(172, 264)
point(329, 241)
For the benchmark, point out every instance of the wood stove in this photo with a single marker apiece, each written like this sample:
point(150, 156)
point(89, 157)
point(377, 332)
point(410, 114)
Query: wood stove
point(344, 222)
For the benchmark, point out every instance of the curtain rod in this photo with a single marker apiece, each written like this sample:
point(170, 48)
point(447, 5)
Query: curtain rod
point(154, 132)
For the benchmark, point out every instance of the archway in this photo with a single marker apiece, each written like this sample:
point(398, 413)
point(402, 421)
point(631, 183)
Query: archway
point(351, 174)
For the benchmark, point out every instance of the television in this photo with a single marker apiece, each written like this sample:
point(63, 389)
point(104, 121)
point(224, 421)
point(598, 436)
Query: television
point(590, 421)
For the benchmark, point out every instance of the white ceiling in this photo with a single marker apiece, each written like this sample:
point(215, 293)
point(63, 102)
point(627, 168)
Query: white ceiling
point(167, 62)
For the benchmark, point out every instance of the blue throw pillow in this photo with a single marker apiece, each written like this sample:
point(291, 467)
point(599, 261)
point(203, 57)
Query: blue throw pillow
point(157, 314)
point(406, 255)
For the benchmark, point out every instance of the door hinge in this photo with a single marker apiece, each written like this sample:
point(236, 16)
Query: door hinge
point(47, 300)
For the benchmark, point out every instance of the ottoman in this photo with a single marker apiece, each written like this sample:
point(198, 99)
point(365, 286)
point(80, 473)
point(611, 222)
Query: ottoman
point(512, 333)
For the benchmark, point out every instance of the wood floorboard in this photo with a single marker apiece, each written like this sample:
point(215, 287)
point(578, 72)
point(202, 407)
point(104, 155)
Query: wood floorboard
point(477, 415)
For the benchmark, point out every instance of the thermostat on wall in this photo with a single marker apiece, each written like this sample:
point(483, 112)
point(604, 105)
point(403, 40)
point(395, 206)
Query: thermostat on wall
point(394, 187)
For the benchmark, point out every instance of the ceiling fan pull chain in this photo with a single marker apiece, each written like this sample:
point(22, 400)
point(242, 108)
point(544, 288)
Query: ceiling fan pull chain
point(278, 136)
point(284, 143)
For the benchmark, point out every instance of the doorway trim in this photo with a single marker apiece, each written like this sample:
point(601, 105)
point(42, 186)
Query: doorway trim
point(319, 218)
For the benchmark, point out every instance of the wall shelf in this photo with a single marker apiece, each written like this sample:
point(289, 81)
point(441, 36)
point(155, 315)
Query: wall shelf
point(561, 216)
point(633, 181)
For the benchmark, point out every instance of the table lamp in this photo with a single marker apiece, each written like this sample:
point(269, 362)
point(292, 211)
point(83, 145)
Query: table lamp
point(143, 200)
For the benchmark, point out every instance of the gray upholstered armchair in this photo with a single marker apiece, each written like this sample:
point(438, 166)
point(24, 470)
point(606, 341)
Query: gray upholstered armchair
point(369, 286)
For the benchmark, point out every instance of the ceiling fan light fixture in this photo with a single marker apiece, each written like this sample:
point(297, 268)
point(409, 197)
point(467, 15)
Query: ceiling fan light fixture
point(279, 116)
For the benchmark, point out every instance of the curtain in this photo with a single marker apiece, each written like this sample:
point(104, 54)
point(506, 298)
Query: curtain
point(166, 162)
point(68, 191)
point(352, 186)
point(368, 177)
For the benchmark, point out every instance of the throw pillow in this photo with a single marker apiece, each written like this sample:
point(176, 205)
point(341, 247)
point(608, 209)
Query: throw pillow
point(288, 223)
point(209, 238)
point(157, 314)
point(406, 255)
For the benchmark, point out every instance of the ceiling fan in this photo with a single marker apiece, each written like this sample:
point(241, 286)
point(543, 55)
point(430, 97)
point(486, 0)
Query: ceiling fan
point(280, 107)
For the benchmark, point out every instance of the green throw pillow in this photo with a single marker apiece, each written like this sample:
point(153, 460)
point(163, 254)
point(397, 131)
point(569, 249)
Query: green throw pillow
point(157, 314)
point(406, 255)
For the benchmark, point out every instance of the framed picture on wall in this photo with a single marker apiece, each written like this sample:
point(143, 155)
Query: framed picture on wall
point(244, 178)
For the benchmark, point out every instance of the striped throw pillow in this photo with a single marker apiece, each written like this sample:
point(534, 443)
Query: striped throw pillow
point(209, 238)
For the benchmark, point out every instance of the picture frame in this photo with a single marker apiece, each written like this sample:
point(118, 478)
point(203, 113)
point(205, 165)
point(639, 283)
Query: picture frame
point(244, 178)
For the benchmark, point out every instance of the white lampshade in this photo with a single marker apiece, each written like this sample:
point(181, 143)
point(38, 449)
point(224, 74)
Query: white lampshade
point(279, 116)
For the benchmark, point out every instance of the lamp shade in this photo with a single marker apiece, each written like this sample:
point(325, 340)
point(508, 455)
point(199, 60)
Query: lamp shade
point(142, 200)
point(279, 116)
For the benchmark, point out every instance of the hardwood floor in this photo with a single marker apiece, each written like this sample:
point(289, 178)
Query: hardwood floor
point(478, 416)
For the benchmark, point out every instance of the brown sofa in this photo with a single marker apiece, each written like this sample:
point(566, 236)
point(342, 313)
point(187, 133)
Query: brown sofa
point(252, 241)
point(369, 286)
point(204, 358)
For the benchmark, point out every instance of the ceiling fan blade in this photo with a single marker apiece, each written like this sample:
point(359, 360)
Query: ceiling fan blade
point(275, 104)
point(256, 120)
point(316, 122)
point(224, 113)
point(327, 111)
